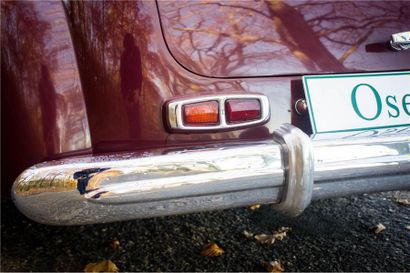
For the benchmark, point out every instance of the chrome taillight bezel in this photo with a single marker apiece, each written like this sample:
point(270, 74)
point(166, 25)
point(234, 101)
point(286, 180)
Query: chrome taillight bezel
point(175, 115)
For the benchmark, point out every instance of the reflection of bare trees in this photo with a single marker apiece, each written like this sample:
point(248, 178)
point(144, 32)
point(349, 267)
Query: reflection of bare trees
point(22, 49)
point(43, 112)
point(227, 38)
point(22, 45)
point(22, 52)
point(32, 45)
point(124, 95)
point(98, 30)
point(347, 24)
point(300, 39)
point(48, 106)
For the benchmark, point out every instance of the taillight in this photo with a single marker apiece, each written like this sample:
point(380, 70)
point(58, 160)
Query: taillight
point(220, 112)
point(242, 110)
point(202, 113)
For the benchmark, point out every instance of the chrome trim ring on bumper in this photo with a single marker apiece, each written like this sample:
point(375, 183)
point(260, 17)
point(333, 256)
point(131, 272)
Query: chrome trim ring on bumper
point(288, 172)
point(297, 156)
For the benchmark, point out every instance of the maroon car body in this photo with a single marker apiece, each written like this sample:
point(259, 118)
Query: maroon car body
point(91, 77)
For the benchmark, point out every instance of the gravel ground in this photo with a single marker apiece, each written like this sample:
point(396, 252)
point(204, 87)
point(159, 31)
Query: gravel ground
point(331, 235)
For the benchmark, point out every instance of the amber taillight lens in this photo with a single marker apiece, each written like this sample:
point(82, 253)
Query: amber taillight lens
point(241, 110)
point(201, 113)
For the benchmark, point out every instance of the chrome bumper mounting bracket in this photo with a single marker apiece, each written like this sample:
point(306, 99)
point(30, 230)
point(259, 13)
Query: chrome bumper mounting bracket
point(297, 159)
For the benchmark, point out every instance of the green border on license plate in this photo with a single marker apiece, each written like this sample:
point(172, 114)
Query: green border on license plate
point(312, 112)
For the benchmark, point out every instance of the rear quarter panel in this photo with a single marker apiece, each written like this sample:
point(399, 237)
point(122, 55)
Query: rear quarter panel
point(43, 114)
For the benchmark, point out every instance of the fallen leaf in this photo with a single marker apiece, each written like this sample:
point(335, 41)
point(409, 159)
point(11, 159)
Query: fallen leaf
point(379, 228)
point(265, 239)
point(101, 266)
point(115, 244)
point(403, 201)
point(212, 250)
point(269, 239)
point(255, 207)
point(281, 233)
point(402, 197)
point(248, 234)
point(273, 266)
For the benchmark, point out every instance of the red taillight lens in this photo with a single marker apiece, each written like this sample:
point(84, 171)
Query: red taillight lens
point(241, 110)
point(202, 113)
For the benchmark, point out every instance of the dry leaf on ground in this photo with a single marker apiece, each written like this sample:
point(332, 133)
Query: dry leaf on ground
point(403, 201)
point(101, 266)
point(281, 233)
point(379, 228)
point(265, 239)
point(273, 266)
point(248, 234)
point(255, 207)
point(269, 239)
point(402, 197)
point(212, 250)
point(115, 244)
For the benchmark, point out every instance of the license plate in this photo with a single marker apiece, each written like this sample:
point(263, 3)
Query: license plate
point(346, 103)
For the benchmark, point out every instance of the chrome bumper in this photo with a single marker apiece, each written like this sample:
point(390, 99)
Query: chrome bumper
point(288, 171)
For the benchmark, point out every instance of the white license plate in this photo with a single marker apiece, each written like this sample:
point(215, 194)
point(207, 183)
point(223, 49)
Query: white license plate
point(344, 103)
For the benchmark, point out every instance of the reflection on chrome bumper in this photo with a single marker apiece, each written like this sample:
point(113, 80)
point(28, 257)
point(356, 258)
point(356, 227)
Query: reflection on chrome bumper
point(288, 171)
